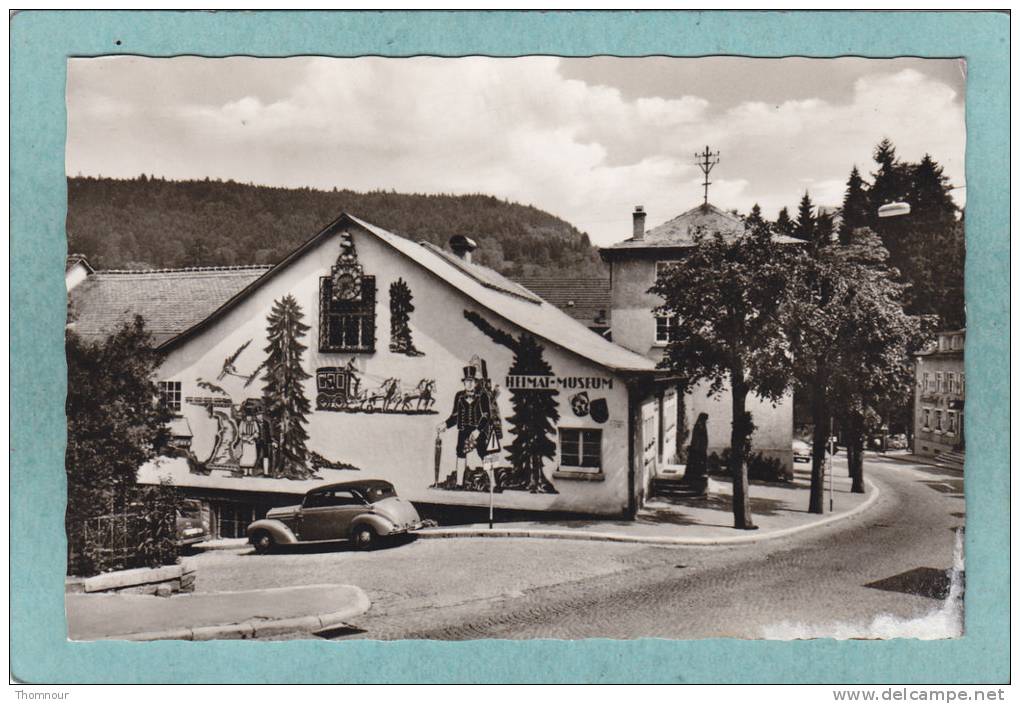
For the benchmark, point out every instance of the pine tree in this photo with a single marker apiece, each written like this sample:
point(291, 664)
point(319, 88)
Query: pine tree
point(754, 220)
point(401, 308)
point(855, 206)
point(824, 227)
point(283, 393)
point(783, 224)
point(533, 422)
point(805, 227)
point(535, 413)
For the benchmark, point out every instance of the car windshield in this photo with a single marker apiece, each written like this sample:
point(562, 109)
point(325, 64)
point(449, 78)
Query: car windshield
point(378, 492)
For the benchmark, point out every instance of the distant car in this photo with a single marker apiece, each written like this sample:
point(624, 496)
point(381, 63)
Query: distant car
point(190, 527)
point(801, 451)
point(363, 512)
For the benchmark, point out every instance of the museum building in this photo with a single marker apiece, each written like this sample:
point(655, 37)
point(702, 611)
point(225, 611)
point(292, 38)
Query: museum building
point(367, 355)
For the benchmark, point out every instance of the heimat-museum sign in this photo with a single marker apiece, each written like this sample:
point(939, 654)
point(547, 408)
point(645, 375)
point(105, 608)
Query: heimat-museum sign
point(522, 382)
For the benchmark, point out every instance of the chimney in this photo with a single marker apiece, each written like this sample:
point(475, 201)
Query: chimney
point(463, 246)
point(639, 222)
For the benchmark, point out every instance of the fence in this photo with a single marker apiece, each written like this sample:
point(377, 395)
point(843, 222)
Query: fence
point(118, 541)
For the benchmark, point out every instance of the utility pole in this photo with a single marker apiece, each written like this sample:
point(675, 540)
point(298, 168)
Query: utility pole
point(705, 161)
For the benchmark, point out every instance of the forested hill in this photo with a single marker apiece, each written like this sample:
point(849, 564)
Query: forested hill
point(155, 223)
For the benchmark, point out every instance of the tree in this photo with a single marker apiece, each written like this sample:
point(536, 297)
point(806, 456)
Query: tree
point(283, 393)
point(850, 339)
point(783, 224)
point(114, 425)
point(805, 227)
point(535, 414)
point(727, 299)
point(856, 208)
point(754, 220)
point(401, 308)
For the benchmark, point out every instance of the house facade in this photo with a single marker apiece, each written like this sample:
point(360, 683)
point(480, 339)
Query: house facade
point(390, 359)
point(939, 391)
point(635, 264)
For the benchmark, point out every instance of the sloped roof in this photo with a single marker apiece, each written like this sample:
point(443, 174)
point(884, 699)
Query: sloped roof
point(539, 317)
point(170, 300)
point(73, 259)
point(680, 231)
point(178, 303)
point(581, 298)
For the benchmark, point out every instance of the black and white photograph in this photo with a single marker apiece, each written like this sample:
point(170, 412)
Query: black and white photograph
point(515, 348)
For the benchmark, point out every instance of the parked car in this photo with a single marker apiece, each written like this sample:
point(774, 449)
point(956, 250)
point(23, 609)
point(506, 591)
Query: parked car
point(190, 527)
point(801, 451)
point(363, 512)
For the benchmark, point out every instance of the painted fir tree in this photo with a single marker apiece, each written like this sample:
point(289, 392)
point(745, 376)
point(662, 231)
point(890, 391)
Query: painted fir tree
point(283, 392)
point(401, 308)
point(533, 422)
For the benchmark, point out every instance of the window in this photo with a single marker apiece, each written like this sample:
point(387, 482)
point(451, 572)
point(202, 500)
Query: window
point(332, 498)
point(940, 382)
point(170, 395)
point(347, 326)
point(926, 419)
point(926, 381)
point(665, 328)
point(581, 449)
point(963, 384)
point(950, 423)
point(938, 421)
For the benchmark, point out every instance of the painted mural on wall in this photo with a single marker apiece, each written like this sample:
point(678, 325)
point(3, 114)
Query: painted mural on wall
point(347, 304)
point(401, 307)
point(475, 414)
point(346, 389)
point(597, 409)
point(265, 436)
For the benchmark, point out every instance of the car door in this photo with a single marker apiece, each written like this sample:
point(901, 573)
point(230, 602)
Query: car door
point(327, 515)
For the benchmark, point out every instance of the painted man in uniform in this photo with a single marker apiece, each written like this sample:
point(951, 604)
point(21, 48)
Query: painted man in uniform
point(471, 415)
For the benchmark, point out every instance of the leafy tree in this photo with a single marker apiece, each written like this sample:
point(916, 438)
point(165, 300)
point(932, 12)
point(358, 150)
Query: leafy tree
point(856, 206)
point(114, 425)
point(805, 226)
point(534, 417)
point(283, 392)
point(783, 224)
point(850, 340)
point(401, 308)
point(728, 300)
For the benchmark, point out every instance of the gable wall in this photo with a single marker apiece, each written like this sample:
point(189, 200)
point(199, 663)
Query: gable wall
point(399, 447)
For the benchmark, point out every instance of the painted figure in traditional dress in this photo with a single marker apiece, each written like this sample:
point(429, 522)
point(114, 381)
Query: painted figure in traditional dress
point(472, 416)
point(226, 448)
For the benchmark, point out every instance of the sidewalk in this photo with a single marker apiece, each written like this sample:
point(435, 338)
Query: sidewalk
point(777, 509)
point(260, 613)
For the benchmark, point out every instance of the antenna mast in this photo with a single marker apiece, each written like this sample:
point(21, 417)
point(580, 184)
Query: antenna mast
point(705, 161)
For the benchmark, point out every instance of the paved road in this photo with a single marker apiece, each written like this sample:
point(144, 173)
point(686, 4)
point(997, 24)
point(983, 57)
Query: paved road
point(806, 585)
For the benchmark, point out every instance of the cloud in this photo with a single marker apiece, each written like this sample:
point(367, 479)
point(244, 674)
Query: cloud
point(514, 128)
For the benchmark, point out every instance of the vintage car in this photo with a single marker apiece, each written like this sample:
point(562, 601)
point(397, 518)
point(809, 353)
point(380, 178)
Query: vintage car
point(363, 512)
point(190, 527)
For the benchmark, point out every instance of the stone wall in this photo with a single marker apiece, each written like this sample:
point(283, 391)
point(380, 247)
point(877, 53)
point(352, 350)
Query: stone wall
point(160, 581)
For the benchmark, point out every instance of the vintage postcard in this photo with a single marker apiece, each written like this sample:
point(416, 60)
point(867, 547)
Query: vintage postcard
point(551, 346)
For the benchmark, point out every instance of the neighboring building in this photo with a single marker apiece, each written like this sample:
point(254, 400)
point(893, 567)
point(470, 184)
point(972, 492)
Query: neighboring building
point(940, 388)
point(634, 265)
point(76, 270)
point(402, 338)
point(585, 300)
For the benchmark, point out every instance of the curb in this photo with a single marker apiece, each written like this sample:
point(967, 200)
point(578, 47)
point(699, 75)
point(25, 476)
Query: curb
point(257, 628)
point(226, 544)
point(442, 533)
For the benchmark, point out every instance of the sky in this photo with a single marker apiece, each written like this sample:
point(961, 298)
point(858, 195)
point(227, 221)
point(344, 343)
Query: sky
point(586, 139)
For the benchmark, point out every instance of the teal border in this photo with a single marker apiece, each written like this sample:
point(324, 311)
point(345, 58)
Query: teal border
point(41, 41)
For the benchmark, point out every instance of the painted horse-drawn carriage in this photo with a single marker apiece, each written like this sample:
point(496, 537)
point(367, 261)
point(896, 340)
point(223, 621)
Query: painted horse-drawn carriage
point(343, 389)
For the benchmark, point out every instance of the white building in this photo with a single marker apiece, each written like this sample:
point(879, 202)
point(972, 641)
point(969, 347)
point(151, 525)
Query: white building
point(394, 328)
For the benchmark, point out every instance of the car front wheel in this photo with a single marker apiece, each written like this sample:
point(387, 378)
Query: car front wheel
point(263, 542)
point(364, 537)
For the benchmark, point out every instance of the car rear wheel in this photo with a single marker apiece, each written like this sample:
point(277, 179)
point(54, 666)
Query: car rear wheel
point(263, 542)
point(364, 537)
